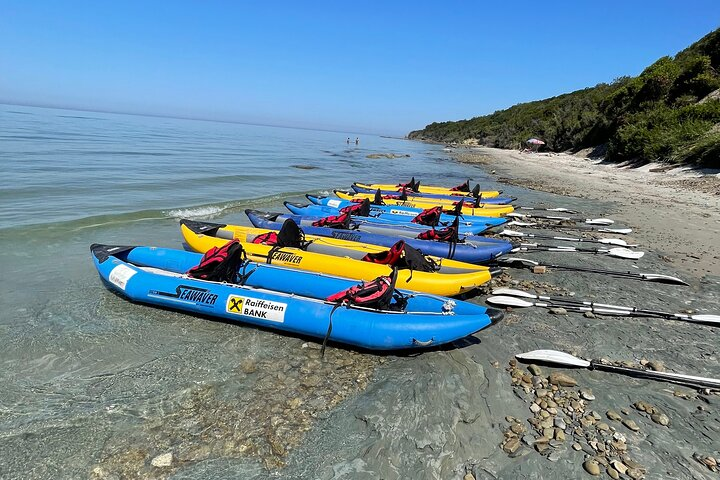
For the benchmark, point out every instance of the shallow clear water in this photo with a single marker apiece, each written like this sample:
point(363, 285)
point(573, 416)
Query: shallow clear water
point(83, 370)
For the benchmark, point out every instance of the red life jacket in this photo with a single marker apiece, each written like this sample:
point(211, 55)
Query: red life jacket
point(269, 238)
point(402, 196)
point(334, 221)
point(361, 209)
point(448, 234)
point(406, 185)
point(463, 187)
point(378, 294)
point(429, 216)
point(220, 264)
point(388, 257)
point(366, 294)
point(413, 185)
point(402, 255)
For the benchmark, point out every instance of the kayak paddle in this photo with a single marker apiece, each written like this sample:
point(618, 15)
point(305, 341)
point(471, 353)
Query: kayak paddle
point(508, 297)
point(567, 360)
point(619, 252)
point(588, 221)
point(622, 231)
point(648, 277)
point(609, 241)
point(557, 209)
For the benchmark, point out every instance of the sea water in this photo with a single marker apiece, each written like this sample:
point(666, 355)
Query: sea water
point(83, 370)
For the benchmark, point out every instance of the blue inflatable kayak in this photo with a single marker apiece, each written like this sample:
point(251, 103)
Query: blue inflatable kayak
point(285, 299)
point(471, 249)
point(389, 219)
point(403, 230)
point(492, 200)
point(400, 213)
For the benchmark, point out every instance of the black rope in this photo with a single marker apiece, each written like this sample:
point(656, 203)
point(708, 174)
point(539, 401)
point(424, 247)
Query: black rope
point(329, 330)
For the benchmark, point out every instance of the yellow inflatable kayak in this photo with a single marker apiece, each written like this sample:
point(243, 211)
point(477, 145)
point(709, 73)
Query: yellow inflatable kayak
point(325, 245)
point(484, 210)
point(452, 278)
point(426, 189)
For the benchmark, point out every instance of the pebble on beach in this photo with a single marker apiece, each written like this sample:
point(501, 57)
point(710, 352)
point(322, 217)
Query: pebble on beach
point(587, 395)
point(534, 369)
point(631, 425)
point(561, 379)
point(592, 467)
point(560, 413)
point(710, 462)
point(613, 415)
point(661, 419)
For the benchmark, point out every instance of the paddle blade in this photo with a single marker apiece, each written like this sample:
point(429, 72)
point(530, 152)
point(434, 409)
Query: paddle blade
point(656, 277)
point(599, 221)
point(615, 241)
point(517, 262)
point(509, 301)
point(710, 319)
point(513, 292)
point(512, 233)
point(626, 253)
point(553, 356)
point(515, 223)
point(561, 209)
point(557, 209)
point(621, 231)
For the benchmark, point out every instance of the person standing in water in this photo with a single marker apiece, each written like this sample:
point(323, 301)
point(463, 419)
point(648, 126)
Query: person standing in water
point(348, 141)
point(357, 140)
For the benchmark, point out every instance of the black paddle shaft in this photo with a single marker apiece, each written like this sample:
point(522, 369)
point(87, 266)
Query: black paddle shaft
point(636, 276)
point(651, 375)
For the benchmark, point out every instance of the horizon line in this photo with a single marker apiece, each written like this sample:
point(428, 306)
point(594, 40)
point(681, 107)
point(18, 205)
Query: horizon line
point(200, 119)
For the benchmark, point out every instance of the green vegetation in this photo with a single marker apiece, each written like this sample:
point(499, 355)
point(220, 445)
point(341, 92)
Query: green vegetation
point(670, 112)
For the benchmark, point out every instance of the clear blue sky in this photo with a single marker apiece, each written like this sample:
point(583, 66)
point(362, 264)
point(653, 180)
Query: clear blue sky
point(375, 66)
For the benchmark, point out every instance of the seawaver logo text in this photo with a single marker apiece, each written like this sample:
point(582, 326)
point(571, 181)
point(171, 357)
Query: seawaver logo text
point(186, 293)
point(256, 308)
point(354, 237)
point(286, 257)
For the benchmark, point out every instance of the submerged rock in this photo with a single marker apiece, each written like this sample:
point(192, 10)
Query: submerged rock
point(592, 467)
point(619, 466)
point(661, 419)
point(587, 395)
point(534, 369)
point(631, 425)
point(387, 155)
point(613, 415)
point(657, 366)
point(164, 460)
point(511, 445)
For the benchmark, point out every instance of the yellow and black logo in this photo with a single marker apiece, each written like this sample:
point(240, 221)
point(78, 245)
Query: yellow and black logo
point(235, 304)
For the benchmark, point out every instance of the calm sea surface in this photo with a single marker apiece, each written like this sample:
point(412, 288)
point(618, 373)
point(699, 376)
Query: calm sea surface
point(82, 369)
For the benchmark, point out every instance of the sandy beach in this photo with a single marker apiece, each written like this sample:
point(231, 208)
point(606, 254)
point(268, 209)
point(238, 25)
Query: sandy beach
point(676, 212)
